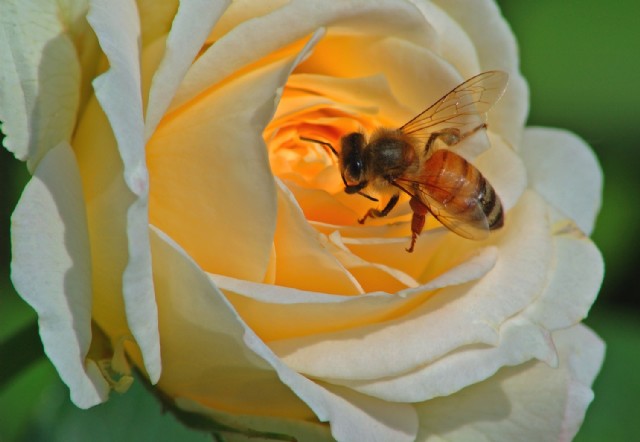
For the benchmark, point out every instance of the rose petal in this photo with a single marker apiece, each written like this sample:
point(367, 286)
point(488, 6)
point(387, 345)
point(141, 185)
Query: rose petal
point(205, 324)
point(51, 269)
point(229, 353)
point(116, 25)
point(373, 276)
point(371, 419)
point(108, 199)
point(520, 341)
point(391, 252)
point(563, 169)
point(199, 202)
point(453, 43)
point(573, 285)
point(279, 312)
point(301, 430)
point(368, 92)
point(301, 255)
point(156, 19)
point(189, 29)
point(497, 49)
point(245, 43)
point(318, 204)
point(471, 314)
point(528, 402)
point(40, 82)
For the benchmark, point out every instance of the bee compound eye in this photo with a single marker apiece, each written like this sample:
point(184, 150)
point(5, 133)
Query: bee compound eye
point(355, 169)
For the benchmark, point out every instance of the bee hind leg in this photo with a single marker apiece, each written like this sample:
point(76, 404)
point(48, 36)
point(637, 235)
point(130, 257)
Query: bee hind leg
point(451, 136)
point(375, 213)
point(417, 221)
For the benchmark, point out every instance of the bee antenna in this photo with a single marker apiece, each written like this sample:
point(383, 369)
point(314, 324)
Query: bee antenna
point(322, 143)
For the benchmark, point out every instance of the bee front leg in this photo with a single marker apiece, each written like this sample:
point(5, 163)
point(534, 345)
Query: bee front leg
point(417, 221)
point(375, 213)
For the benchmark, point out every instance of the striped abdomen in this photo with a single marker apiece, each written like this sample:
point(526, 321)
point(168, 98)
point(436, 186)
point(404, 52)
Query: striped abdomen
point(458, 195)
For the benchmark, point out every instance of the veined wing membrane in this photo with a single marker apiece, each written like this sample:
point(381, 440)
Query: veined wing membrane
point(464, 108)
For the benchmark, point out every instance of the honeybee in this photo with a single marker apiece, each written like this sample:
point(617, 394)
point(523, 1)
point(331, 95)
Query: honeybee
point(415, 159)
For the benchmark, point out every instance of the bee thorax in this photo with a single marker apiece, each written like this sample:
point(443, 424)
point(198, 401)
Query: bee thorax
point(389, 155)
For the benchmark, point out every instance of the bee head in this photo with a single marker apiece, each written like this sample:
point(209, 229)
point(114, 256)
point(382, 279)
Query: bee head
point(352, 166)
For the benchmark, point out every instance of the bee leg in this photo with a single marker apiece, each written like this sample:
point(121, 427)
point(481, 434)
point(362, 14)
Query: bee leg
point(375, 213)
point(448, 136)
point(417, 221)
point(451, 136)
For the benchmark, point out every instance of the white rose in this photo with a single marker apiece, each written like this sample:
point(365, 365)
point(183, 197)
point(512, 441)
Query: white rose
point(174, 208)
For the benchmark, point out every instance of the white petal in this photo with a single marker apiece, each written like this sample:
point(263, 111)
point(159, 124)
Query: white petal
point(520, 341)
point(574, 279)
point(562, 168)
point(505, 170)
point(453, 43)
point(529, 402)
point(40, 81)
point(51, 269)
point(235, 368)
point(573, 285)
point(370, 419)
point(116, 24)
point(190, 28)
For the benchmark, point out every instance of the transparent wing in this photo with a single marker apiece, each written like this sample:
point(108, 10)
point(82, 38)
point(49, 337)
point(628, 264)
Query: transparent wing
point(464, 107)
point(472, 224)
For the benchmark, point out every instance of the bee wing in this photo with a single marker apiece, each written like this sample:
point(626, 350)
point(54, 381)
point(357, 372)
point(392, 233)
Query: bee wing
point(464, 107)
point(473, 224)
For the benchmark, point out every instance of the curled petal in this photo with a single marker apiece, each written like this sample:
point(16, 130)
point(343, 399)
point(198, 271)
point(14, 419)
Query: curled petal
point(229, 353)
point(573, 284)
point(529, 402)
point(118, 90)
point(302, 256)
point(51, 268)
point(40, 82)
point(562, 168)
point(520, 341)
point(279, 312)
point(209, 162)
point(189, 29)
point(245, 42)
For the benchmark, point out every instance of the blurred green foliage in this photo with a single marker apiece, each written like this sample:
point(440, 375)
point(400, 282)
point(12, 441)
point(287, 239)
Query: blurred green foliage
point(581, 59)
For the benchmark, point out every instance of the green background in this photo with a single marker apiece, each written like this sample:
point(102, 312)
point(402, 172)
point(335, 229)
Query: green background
point(582, 61)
